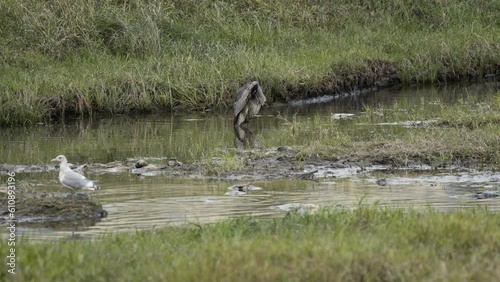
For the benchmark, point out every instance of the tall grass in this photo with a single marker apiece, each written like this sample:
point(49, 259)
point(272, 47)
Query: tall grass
point(368, 243)
point(123, 56)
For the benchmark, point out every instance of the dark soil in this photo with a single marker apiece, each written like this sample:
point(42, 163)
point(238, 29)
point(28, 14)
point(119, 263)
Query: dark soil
point(49, 208)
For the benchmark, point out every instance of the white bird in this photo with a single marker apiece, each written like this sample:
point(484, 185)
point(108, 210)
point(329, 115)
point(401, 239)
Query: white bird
point(70, 178)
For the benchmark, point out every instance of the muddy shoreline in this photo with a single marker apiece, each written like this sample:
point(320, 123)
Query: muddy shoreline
point(62, 209)
point(276, 163)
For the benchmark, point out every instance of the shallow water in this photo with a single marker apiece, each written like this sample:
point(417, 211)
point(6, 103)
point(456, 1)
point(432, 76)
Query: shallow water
point(151, 202)
point(189, 137)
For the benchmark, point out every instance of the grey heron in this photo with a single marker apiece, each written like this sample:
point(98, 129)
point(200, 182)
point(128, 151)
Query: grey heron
point(70, 178)
point(247, 103)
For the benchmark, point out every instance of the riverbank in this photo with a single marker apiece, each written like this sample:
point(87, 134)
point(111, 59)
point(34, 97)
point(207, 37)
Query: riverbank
point(368, 243)
point(78, 59)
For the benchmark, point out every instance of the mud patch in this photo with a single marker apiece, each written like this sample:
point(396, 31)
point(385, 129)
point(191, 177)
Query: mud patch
point(275, 163)
point(33, 207)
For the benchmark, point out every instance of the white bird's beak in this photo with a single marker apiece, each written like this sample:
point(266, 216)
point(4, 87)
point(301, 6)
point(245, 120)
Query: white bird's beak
point(53, 160)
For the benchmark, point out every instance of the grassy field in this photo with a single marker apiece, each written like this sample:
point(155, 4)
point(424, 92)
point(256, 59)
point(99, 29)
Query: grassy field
point(366, 244)
point(66, 58)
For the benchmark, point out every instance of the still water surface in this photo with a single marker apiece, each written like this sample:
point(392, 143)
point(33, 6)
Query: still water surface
point(135, 203)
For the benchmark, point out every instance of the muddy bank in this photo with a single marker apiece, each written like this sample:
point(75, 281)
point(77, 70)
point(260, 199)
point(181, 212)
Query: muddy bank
point(49, 209)
point(275, 163)
point(292, 165)
point(374, 75)
point(62, 210)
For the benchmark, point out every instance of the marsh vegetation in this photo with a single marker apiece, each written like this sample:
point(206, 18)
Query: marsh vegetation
point(433, 133)
point(60, 58)
point(349, 244)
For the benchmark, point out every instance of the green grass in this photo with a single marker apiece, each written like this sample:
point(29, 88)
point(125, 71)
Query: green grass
point(368, 243)
point(59, 57)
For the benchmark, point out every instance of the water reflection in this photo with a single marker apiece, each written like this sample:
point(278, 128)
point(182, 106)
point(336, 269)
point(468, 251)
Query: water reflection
point(245, 139)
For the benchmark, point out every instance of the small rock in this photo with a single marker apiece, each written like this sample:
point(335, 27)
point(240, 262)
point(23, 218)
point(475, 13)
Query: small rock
point(235, 193)
point(141, 163)
point(486, 195)
point(298, 207)
point(495, 179)
point(307, 175)
point(480, 195)
point(102, 213)
point(243, 188)
point(174, 162)
point(382, 182)
point(342, 116)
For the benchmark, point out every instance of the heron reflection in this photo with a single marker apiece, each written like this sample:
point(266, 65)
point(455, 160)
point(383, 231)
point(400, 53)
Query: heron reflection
point(244, 138)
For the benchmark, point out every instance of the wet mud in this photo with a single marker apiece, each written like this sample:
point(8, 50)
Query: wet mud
point(51, 209)
point(269, 164)
point(256, 165)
